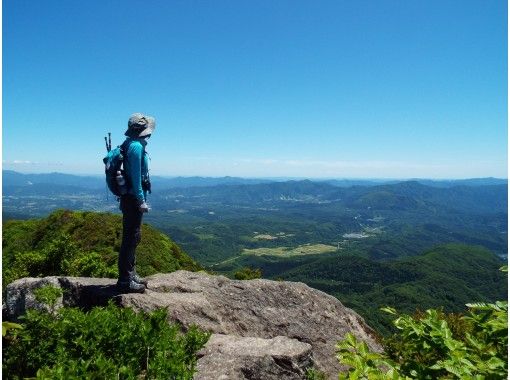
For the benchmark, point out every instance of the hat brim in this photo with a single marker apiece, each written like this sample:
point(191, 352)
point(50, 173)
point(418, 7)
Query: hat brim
point(151, 126)
point(147, 131)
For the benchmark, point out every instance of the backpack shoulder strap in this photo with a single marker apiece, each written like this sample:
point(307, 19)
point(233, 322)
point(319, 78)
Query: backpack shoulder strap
point(125, 146)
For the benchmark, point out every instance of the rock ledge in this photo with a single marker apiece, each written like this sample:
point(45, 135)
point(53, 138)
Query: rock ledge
point(261, 329)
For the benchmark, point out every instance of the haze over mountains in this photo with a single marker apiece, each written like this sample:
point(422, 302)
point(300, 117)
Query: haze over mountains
point(13, 178)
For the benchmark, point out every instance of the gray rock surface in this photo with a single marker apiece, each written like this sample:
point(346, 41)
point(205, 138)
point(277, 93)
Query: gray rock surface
point(20, 296)
point(235, 357)
point(261, 329)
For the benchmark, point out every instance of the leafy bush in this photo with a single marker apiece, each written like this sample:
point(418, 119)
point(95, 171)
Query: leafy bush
point(247, 274)
point(363, 363)
point(6, 326)
point(48, 295)
point(91, 264)
point(105, 343)
point(426, 348)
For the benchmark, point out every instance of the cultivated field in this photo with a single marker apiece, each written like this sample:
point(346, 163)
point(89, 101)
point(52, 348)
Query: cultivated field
point(306, 249)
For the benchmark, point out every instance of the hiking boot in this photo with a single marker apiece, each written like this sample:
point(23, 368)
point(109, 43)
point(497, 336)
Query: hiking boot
point(139, 280)
point(130, 287)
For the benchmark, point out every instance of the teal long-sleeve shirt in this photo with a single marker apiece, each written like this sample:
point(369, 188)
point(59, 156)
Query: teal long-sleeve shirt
point(136, 167)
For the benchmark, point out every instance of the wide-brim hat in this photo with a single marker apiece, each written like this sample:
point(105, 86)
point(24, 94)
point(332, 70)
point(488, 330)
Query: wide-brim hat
point(140, 125)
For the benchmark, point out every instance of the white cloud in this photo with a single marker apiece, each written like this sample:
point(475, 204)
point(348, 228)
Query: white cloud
point(30, 163)
point(19, 162)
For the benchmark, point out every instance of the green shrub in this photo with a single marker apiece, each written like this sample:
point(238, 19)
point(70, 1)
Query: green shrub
point(91, 264)
point(48, 294)
point(247, 274)
point(363, 363)
point(25, 264)
point(426, 347)
point(6, 326)
point(104, 343)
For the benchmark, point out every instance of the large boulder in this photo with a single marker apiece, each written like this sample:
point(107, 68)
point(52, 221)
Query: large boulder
point(261, 329)
point(235, 357)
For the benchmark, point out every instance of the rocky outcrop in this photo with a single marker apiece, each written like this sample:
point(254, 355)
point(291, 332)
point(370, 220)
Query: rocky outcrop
point(261, 329)
point(235, 357)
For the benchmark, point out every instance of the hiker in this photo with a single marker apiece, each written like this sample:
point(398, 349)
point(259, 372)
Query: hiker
point(133, 204)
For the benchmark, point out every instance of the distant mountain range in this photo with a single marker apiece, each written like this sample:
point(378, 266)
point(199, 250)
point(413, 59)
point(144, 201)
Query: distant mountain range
point(11, 178)
point(38, 194)
point(402, 196)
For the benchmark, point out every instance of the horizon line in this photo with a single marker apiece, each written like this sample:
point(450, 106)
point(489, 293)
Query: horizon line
point(280, 177)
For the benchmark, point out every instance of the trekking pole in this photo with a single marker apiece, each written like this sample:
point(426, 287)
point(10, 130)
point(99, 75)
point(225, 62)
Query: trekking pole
point(106, 143)
point(110, 141)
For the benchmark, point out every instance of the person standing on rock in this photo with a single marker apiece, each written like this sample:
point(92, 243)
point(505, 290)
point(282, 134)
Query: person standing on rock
point(133, 204)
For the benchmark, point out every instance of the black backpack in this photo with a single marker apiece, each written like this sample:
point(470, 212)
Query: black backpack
point(113, 168)
point(116, 178)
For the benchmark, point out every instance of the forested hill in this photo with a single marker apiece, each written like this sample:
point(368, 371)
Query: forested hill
point(407, 195)
point(82, 244)
point(448, 276)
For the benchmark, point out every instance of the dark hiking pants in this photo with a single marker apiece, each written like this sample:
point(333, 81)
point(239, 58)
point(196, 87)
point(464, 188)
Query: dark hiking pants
point(131, 235)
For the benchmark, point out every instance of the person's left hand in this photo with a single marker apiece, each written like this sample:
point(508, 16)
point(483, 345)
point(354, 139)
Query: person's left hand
point(143, 207)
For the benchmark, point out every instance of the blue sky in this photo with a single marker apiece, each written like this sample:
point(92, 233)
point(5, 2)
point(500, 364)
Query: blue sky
point(345, 89)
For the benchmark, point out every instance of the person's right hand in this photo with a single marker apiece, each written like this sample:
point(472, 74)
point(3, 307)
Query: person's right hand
point(143, 207)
